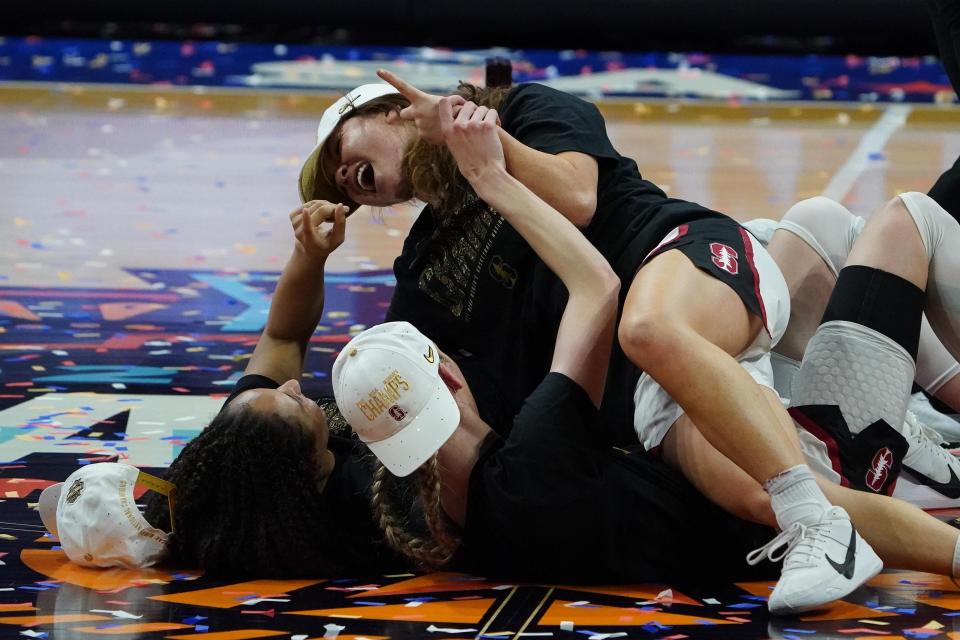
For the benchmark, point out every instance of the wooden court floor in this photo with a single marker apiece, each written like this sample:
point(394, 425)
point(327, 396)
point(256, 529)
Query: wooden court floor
point(141, 233)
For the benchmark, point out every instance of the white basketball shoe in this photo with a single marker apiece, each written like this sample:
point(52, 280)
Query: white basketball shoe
point(821, 563)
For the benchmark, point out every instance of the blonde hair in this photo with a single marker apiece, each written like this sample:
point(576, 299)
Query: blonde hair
point(432, 553)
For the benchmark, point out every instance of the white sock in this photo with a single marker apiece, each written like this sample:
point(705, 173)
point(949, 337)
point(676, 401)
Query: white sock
point(796, 497)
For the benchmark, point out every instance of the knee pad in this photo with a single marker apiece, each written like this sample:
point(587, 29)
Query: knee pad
point(827, 226)
point(862, 371)
point(931, 219)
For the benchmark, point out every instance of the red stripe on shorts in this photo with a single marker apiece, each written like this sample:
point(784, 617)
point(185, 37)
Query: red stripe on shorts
point(748, 251)
point(823, 436)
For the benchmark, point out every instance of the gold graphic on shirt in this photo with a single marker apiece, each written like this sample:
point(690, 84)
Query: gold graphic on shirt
point(503, 272)
point(428, 356)
point(458, 252)
point(383, 398)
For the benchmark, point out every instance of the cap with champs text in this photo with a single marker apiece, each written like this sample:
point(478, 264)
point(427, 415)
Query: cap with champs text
point(388, 386)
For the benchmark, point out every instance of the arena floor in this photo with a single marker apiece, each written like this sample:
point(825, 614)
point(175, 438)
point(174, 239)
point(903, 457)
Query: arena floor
point(143, 230)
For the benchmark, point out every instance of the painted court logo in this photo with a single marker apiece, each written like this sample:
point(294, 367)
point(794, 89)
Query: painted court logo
point(725, 257)
point(879, 469)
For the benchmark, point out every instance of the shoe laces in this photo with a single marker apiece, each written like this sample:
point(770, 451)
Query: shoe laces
point(798, 544)
point(918, 429)
point(928, 438)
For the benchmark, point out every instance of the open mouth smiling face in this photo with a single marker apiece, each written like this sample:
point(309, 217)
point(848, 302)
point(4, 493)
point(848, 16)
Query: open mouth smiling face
point(371, 151)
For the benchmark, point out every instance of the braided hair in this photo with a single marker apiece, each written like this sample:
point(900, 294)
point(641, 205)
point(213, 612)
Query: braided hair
point(428, 553)
point(248, 504)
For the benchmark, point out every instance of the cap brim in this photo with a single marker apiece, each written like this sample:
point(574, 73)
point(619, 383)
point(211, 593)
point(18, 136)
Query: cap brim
point(404, 452)
point(47, 506)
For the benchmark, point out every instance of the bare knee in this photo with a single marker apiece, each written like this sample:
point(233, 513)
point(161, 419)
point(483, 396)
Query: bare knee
point(647, 336)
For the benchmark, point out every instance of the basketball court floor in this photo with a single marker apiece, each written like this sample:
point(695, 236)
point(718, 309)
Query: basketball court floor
point(142, 231)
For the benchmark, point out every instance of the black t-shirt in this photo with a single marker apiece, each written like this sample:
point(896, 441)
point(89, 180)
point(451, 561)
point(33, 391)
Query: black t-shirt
point(469, 281)
point(551, 503)
point(347, 492)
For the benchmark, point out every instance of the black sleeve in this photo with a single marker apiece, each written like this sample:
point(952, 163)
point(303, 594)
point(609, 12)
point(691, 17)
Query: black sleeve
point(554, 434)
point(552, 121)
point(252, 381)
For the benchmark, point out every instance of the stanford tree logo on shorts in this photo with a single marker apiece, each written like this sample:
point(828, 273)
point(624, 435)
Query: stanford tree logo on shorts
point(879, 469)
point(725, 257)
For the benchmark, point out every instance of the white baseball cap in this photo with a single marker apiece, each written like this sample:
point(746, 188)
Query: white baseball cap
point(94, 515)
point(388, 386)
point(309, 189)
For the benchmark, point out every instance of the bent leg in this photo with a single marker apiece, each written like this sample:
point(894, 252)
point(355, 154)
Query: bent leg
point(682, 327)
point(904, 536)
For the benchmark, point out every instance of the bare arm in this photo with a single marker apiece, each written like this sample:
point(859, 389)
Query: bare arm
point(297, 303)
point(567, 181)
point(582, 352)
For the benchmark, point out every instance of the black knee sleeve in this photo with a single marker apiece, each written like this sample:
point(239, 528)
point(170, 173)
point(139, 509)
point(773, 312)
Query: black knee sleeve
point(880, 301)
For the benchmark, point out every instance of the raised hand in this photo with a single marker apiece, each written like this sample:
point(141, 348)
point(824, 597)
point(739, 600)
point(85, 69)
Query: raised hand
point(423, 109)
point(312, 242)
point(470, 132)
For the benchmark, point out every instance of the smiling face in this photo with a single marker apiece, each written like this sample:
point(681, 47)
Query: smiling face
point(369, 161)
point(288, 403)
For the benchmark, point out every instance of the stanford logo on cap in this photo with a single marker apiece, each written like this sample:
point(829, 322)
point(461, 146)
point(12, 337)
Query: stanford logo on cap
point(397, 413)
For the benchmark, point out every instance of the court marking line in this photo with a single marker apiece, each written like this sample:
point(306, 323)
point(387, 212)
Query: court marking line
point(535, 612)
point(496, 613)
point(893, 119)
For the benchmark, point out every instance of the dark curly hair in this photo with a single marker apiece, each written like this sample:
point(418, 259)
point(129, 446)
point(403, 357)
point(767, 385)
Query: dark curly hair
point(248, 504)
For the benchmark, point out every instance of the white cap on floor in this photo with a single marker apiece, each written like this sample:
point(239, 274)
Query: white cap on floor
point(388, 387)
point(94, 515)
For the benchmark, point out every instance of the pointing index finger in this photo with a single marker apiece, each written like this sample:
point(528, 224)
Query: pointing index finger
point(406, 89)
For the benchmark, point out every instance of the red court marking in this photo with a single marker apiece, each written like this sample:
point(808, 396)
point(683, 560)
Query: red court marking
point(124, 310)
point(432, 583)
point(635, 592)
point(16, 310)
point(233, 595)
point(54, 564)
point(22, 486)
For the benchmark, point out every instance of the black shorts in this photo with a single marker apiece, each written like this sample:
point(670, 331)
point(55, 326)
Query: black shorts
point(869, 461)
point(721, 247)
